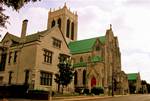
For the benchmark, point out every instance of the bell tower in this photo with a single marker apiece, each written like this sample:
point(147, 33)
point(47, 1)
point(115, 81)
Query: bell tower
point(66, 20)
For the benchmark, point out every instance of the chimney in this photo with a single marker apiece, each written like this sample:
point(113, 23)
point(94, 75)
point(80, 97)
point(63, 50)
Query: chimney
point(24, 28)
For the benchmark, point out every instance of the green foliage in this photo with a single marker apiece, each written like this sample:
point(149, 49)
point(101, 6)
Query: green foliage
point(97, 90)
point(65, 75)
point(148, 87)
point(14, 4)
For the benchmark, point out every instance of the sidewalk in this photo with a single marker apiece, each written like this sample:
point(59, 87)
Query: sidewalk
point(78, 98)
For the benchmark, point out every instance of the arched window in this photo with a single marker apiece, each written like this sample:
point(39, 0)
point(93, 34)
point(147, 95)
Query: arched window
point(72, 30)
point(84, 77)
point(53, 23)
point(81, 59)
point(59, 23)
point(68, 28)
point(75, 77)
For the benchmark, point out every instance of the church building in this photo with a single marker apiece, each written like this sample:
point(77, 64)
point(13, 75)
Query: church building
point(32, 59)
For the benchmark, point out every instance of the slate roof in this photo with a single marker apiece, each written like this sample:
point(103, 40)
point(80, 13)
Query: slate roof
point(83, 46)
point(29, 38)
point(132, 76)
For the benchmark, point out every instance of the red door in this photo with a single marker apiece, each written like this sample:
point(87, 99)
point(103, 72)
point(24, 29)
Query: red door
point(93, 82)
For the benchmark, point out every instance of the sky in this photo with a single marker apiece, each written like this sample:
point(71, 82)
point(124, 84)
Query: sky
point(130, 21)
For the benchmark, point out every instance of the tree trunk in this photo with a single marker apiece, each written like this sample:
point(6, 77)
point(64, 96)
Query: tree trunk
point(62, 89)
point(58, 87)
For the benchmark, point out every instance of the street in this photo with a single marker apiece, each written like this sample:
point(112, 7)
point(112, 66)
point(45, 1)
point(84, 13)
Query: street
point(124, 98)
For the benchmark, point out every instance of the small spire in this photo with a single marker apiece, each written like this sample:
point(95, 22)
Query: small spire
point(110, 26)
point(76, 13)
point(65, 5)
point(50, 9)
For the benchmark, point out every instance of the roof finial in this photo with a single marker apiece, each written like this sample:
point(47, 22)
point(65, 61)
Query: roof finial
point(110, 26)
point(65, 5)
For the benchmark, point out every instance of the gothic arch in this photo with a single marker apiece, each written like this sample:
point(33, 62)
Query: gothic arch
point(59, 22)
point(72, 31)
point(81, 59)
point(53, 23)
point(93, 82)
point(68, 28)
point(89, 59)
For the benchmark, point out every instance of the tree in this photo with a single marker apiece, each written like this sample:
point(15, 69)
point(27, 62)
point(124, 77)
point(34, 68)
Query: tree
point(15, 4)
point(65, 75)
point(148, 87)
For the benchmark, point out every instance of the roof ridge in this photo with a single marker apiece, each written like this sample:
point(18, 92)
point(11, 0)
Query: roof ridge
point(39, 32)
point(89, 38)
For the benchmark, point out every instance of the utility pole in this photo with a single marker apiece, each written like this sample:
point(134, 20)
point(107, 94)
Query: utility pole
point(112, 81)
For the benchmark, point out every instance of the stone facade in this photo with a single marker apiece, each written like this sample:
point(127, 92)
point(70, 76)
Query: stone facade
point(100, 64)
point(33, 58)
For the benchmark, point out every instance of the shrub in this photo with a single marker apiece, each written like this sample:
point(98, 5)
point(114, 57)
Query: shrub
point(97, 90)
point(79, 90)
point(38, 94)
point(86, 91)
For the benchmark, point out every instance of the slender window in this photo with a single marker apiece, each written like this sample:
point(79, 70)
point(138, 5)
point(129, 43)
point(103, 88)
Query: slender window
point(89, 59)
point(59, 23)
point(97, 48)
point(75, 78)
point(81, 59)
point(3, 61)
point(15, 57)
point(10, 77)
point(9, 59)
point(26, 76)
point(84, 77)
point(72, 31)
point(46, 78)
point(53, 23)
point(47, 56)
point(68, 28)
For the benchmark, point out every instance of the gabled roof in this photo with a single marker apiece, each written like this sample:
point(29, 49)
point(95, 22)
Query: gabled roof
point(132, 76)
point(29, 38)
point(83, 46)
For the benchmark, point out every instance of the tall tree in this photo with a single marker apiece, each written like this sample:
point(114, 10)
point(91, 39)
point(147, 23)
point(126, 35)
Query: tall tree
point(65, 75)
point(15, 4)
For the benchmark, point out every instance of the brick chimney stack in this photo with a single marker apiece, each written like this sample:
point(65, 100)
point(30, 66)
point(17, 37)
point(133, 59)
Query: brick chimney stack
point(24, 28)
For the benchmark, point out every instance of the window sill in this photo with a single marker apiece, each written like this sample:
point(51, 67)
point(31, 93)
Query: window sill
point(46, 63)
point(57, 47)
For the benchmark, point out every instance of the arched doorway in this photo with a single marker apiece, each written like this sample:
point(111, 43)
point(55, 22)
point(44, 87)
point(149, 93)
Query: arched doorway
point(93, 82)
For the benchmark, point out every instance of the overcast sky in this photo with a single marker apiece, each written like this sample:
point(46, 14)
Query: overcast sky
point(130, 21)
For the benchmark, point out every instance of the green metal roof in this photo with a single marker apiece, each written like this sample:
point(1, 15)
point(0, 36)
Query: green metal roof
point(96, 59)
point(83, 46)
point(80, 64)
point(132, 76)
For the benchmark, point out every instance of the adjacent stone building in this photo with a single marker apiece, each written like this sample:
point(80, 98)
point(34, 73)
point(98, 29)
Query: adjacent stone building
point(33, 58)
point(134, 80)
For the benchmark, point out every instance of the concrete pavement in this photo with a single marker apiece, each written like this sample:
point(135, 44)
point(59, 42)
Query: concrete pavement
point(79, 98)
